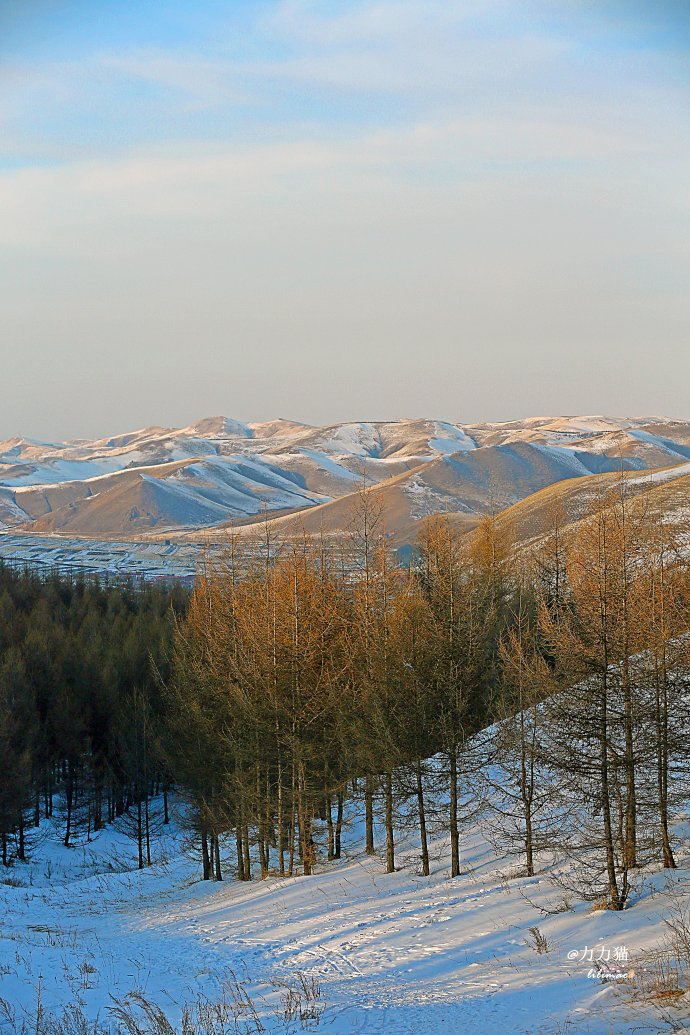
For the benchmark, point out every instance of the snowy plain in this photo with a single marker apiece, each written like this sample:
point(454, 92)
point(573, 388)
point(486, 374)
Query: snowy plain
point(390, 953)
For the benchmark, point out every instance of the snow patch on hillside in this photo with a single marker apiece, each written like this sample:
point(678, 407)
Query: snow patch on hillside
point(330, 466)
point(54, 471)
point(666, 475)
point(352, 439)
point(450, 439)
point(563, 456)
point(427, 501)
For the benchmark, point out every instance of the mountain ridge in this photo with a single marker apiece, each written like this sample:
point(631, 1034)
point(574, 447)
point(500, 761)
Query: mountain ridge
point(218, 471)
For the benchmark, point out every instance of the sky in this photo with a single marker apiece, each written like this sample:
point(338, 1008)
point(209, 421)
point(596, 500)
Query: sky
point(366, 209)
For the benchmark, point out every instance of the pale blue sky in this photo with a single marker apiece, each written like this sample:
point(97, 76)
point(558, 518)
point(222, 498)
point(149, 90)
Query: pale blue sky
point(470, 210)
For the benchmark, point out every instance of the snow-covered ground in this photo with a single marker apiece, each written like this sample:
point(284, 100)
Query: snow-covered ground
point(391, 953)
point(150, 559)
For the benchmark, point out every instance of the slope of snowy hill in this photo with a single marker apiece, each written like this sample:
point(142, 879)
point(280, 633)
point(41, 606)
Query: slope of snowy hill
point(667, 492)
point(384, 953)
point(186, 494)
point(157, 480)
point(463, 484)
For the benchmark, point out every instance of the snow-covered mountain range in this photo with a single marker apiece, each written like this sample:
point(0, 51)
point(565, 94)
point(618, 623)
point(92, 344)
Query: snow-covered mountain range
point(163, 480)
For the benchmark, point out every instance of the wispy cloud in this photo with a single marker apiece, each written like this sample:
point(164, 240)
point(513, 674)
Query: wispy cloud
point(301, 62)
point(414, 194)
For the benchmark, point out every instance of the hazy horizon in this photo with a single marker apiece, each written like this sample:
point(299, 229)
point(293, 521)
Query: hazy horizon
point(105, 433)
point(466, 211)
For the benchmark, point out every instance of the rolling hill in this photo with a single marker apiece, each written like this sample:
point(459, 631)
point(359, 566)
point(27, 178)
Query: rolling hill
point(667, 490)
point(189, 481)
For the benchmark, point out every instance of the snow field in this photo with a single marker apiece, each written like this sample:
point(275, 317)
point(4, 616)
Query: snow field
point(391, 953)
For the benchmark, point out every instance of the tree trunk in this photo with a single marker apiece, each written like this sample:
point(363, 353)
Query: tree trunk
point(331, 831)
point(630, 789)
point(369, 813)
point(291, 842)
point(69, 794)
point(140, 833)
point(422, 820)
point(339, 825)
point(309, 854)
point(454, 834)
point(219, 872)
point(21, 851)
point(205, 857)
point(263, 852)
point(281, 824)
point(526, 793)
point(148, 831)
point(98, 806)
point(662, 770)
point(390, 842)
point(614, 895)
point(305, 825)
point(247, 855)
point(240, 857)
